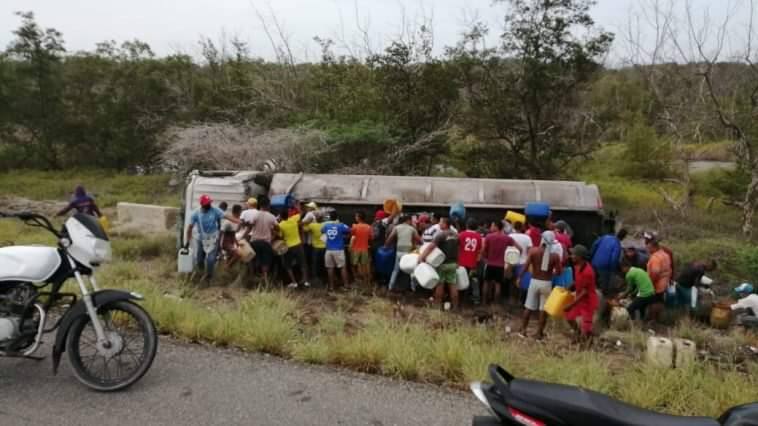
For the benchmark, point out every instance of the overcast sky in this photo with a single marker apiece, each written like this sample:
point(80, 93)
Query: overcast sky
point(171, 26)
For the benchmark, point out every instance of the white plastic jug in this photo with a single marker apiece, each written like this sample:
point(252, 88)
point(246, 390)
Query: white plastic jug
point(660, 352)
point(512, 255)
point(184, 261)
point(619, 318)
point(245, 251)
point(461, 278)
point(408, 263)
point(435, 258)
point(685, 352)
point(426, 276)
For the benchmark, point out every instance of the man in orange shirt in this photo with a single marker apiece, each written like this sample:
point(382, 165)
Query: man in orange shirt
point(359, 251)
point(660, 271)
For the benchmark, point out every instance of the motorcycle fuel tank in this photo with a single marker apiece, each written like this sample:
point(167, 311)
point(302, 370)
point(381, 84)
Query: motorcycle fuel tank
point(28, 263)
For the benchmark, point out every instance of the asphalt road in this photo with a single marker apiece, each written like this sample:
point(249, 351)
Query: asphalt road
point(195, 385)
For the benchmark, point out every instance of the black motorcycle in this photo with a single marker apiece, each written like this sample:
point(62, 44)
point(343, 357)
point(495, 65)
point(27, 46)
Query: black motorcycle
point(530, 403)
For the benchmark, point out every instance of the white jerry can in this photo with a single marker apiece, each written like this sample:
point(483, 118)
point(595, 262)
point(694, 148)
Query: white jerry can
point(408, 263)
point(660, 352)
point(184, 261)
point(435, 258)
point(426, 276)
point(685, 352)
point(512, 256)
point(461, 278)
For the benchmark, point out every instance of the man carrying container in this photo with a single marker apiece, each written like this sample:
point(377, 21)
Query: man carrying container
point(447, 241)
point(545, 265)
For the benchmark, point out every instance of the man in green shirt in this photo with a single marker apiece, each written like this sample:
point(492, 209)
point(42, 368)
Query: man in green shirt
point(637, 280)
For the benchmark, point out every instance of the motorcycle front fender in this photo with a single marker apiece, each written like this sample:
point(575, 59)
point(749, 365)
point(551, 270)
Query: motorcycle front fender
point(99, 298)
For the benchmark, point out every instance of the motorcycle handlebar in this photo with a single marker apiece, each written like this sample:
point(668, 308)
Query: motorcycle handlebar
point(32, 219)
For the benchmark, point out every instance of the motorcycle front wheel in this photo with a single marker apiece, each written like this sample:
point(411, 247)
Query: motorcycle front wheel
point(133, 344)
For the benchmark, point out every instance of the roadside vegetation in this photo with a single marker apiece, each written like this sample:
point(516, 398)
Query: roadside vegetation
point(375, 335)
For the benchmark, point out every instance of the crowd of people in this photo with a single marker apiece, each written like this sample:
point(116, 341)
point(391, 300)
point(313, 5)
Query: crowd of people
point(311, 246)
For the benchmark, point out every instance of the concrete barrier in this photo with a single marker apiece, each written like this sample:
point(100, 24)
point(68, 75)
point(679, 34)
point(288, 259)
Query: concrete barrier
point(146, 217)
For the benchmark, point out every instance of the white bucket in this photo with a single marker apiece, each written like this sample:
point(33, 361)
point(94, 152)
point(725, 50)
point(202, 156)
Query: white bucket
point(426, 276)
point(461, 278)
point(408, 263)
point(512, 255)
point(184, 261)
point(435, 258)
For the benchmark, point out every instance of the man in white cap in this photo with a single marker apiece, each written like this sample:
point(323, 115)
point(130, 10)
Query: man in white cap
point(545, 264)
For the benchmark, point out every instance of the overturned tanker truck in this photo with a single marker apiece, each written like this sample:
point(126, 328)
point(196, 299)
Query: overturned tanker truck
point(577, 203)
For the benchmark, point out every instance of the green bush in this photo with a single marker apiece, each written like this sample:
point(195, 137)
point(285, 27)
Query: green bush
point(647, 155)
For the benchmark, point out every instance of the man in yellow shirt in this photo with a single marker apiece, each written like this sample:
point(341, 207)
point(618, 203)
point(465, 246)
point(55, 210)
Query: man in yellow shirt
point(290, 231)
point(319, 248)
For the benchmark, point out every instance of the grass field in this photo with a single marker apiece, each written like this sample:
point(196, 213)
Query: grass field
point(107, 187)
point(414, 342)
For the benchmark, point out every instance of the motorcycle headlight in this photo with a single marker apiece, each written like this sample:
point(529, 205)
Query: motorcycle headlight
point(102, 251)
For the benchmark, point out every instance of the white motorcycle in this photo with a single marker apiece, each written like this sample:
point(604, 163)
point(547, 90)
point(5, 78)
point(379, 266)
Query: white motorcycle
point(111, 341)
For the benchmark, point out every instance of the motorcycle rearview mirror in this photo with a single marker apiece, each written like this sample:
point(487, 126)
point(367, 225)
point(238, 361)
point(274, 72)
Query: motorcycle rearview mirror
point(477, 389)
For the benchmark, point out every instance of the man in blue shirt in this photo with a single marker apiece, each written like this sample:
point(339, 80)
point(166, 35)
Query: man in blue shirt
point(208, 221)
point(606, 255)
point(334, 257)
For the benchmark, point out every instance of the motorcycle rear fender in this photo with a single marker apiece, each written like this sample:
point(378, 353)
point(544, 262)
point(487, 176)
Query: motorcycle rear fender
point(99, 298)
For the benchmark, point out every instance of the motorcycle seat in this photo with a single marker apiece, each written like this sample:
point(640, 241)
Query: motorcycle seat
point(577, 406)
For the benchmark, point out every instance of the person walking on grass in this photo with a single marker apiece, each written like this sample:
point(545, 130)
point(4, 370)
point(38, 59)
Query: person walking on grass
point(405, 237)
point(207, 219)
point(493, 251)
point(334, 256)
point(659, 269)
point(290, 230)
point(585, 303)
point(82, 203)
point(545, 265)
point(470, 254)
point(359, 254)
point(639, 286)
point(447, 241)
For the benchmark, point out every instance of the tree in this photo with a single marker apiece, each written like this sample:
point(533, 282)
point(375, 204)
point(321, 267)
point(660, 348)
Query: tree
point(523, 95)
point(35, 93)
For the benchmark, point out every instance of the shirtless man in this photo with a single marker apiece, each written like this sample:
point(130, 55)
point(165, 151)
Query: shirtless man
point(544, 266)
